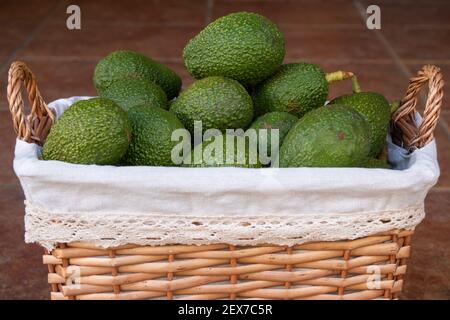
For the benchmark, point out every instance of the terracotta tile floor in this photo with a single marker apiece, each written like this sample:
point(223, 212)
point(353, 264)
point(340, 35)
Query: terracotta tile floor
point(331, 33)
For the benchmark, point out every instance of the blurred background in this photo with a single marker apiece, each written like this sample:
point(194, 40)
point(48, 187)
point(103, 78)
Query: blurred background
point(331, 33)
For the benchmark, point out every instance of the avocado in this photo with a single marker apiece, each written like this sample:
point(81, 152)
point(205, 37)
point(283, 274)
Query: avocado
point(282, 121)
point(125, 64)
point(218, 102)
point(243, 46)
point(93, 131)
point(330, 136)
point(215, 153)
point(376, 110)
point(151, 144)
point(376, 163)
point(295, 88)
point(394, 106)
point(132, 92)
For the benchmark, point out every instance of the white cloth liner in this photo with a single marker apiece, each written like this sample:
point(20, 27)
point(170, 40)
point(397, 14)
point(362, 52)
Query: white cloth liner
point(112, 206)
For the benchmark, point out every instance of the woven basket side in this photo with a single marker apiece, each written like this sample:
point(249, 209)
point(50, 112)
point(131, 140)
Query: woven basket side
point(366, 268)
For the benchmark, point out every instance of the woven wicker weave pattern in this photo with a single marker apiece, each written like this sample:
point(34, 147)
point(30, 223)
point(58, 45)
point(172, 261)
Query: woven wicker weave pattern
point(35, 126)
point(404, 118)
point(320, 270)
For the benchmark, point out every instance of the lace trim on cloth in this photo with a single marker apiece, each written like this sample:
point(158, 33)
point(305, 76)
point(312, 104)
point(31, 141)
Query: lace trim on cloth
point(113, 230)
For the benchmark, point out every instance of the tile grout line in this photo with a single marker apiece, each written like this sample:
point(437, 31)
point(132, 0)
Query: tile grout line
point(31, 36)
point(69, 58)
point(443, 124)
point(439, 190)
point(385, 42)
point(10, 185)
point(209, 11)
point(397, 60)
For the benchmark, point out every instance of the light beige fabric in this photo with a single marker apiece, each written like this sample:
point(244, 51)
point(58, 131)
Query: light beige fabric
point(111, 205)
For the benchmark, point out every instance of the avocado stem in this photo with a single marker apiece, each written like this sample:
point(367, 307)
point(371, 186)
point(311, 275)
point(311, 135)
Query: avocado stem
point(343, 75)
point(338, 76)
point(355, 85)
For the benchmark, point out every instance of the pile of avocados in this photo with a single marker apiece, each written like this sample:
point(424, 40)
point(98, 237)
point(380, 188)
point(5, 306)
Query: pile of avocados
point(240, 83)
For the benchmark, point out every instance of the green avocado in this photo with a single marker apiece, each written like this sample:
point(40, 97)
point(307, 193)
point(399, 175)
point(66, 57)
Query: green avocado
point(132, 92)
point(295, 88)
point(151, 144)
point(125, 64)
point(218, 102)
point(243, 46)
point(330, 136)
point(223, 151)
point(282, 121)
point(376, 110)
point(93, 131)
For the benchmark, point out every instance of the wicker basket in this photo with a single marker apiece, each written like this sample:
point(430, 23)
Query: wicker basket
point(366, 268)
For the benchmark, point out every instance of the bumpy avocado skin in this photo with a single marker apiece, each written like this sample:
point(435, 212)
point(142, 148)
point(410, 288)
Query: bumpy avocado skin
point(151, 143)
point(124, 64)
point(376, 110)
point(330, 136)
point(282, 121)
point(218, 102)
point(94, 131)
point(131, 92)
point(242, 157)
point(243, 46)
point(295, 88)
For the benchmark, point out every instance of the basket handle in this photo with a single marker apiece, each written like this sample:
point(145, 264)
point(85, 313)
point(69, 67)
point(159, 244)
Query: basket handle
point(408, 133)
point(35, 126)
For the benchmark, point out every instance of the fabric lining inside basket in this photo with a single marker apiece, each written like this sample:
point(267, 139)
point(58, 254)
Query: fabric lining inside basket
point(159, 205)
